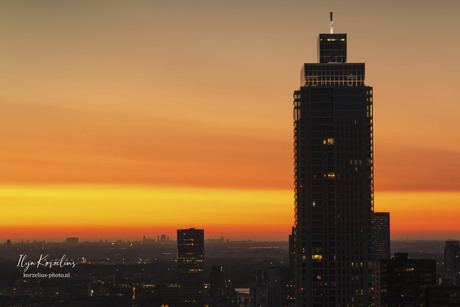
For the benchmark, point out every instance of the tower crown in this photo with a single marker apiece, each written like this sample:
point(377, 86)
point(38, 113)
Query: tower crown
point(332, 48)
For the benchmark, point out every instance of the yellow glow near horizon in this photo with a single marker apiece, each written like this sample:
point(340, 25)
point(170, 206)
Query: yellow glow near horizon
point(431, 213)
point(142, 205)
point(128, 210)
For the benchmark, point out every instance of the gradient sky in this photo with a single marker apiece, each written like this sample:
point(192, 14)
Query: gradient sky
point(124, 118)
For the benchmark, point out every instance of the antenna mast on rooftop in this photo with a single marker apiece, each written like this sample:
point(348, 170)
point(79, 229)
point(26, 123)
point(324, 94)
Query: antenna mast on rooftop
point(331, 23)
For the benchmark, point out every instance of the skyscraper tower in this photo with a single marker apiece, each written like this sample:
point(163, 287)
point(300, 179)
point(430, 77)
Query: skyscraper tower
point(190, 257)
point(452, 262)
point(333, 151)
point(381, 235)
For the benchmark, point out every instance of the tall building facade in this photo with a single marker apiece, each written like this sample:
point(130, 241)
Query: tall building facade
point(333, 151)
point(452, 263)
point(190, 257)
point(381, 235)
point(272, 287)
point(401, 281)
point(292, 248)
point(217, 281)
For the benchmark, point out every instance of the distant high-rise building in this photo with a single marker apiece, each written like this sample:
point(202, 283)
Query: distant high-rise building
point(333, 150)
point(190, 257)
point(442, 297)
point(291, 280)
point(217, 281)
point(452, 262)
point(292, 248)
point(271, 287)
point(72, 240)
point(401, 281)
point(381, 235)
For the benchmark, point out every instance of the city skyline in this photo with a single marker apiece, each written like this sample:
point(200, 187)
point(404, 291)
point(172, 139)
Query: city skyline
point(139, 113)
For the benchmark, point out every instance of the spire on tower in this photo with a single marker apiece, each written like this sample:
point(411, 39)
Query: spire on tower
point(331, 22)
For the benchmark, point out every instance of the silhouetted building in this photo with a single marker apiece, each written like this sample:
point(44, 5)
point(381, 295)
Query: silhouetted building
point(290, 282)
point(72, 240)
point(243, 297)
point(190, 257)
point(290, 290)
point(452, 263)
point(381, 235)
point(271, 287)
point(166, 295)
point(292, 248)
point(442, 297)
point(221, 291)
point(333, 149)
point(217, 281)
point(403, 282)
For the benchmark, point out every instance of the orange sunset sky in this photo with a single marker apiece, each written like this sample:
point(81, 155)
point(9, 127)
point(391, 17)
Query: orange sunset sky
point(125, 118)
